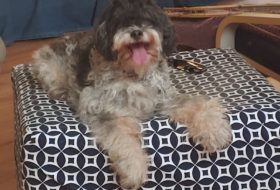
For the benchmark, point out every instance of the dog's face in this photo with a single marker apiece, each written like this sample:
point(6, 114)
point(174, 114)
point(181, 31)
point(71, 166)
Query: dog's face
point(135, 32)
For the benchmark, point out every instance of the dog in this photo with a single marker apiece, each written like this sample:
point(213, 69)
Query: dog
point(117, 75)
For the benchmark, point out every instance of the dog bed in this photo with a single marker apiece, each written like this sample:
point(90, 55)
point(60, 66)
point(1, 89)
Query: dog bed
point(55, 151)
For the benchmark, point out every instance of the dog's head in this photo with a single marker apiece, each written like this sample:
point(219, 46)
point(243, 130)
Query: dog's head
point(135, 31)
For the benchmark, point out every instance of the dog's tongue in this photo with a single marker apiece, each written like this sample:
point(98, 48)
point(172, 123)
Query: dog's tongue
point(139, 54)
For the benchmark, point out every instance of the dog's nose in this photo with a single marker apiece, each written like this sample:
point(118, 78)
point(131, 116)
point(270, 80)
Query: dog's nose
point(136, 34)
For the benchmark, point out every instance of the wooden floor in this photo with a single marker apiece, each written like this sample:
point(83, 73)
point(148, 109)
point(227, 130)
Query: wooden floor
point(18, 53)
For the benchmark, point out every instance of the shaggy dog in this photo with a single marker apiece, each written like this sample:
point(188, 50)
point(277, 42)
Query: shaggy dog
point(117, 76)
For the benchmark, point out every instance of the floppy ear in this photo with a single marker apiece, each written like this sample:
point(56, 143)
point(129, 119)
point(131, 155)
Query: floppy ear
point(117, 2)
point(149, 1)
point(168, 43)
point(166, 27)
point(102, 41)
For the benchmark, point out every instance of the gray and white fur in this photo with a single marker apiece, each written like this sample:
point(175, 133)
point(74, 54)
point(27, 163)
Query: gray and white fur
point(117, 76)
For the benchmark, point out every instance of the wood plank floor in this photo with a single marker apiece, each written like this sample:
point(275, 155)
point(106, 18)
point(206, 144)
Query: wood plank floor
point(17, 53)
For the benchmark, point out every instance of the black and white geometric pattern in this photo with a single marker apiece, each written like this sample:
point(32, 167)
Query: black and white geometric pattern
point(55, 151)
point(228, 77)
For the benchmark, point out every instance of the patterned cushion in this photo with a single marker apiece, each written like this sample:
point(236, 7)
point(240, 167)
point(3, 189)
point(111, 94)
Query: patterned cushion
point(54, 151)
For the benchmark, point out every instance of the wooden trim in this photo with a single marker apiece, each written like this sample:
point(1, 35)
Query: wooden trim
point(219, 10)
point(225, 36)
point(274, 83)
point(266, 71)
point(216, 7)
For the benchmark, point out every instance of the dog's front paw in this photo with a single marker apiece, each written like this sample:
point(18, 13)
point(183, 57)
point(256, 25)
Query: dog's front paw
point(131, 173)
point(210, 127)
point(216, 135)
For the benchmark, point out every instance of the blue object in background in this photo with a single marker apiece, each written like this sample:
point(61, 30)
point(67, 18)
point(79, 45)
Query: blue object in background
point(33, 19)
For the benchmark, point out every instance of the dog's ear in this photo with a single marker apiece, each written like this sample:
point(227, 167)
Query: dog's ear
point(148, 1)
point(102, 41)
point(115, 3)
point(165, 25)
point(168, 43)
point(168, 40)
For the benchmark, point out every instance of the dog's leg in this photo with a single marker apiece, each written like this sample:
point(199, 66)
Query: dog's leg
point(204, 118)
point(120, 138)
point(50, 71)
point(56, 75)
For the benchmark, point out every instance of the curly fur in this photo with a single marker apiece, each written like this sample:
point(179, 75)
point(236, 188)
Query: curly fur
point(112, 91)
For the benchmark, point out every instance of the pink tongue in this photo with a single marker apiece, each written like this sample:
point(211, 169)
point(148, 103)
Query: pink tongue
point(139, 55)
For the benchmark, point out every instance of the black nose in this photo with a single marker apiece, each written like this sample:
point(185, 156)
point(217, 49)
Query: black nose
point(136, 34)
